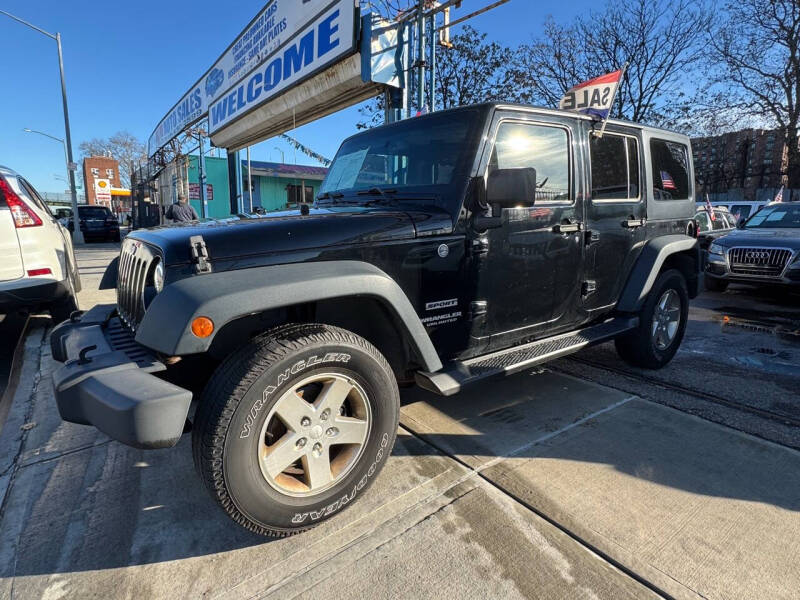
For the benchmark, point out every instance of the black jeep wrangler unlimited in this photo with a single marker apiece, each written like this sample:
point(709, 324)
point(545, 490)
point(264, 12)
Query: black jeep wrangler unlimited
point(446, 249)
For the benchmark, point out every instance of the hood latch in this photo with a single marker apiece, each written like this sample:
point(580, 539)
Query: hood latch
point(200, 254)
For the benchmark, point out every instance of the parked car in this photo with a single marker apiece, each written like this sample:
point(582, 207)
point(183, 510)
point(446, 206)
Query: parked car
point(442, 250)
point(765, 249)
point(739, 210)
point(708, 230)
point(97, 223)
point(37, 264)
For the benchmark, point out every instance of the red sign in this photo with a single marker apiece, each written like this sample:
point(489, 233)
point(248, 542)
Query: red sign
point(194, 191)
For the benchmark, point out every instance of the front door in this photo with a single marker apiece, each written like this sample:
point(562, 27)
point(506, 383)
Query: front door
point(534, 256)
point(615, 215)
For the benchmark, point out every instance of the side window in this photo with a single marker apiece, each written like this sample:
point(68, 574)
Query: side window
point(615, 167)
point(719, 220)
point(543, 147)
point(670, 170)
point(702, 221)
point(743, 210)
point(34, 195)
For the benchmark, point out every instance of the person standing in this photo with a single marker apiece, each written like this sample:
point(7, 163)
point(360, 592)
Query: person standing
point(181, 211)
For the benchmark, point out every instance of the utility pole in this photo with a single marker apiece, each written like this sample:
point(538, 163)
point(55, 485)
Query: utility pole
point(77, 235)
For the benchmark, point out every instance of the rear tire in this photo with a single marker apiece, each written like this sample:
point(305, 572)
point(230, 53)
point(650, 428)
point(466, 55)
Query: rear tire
point(715, 285)
point(270, 429)
point(662, 324)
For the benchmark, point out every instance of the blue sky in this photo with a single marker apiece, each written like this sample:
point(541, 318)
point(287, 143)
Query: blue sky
point(127, 63)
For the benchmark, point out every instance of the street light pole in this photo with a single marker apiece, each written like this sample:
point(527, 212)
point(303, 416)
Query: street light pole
point(283, 156)
point(77, 234)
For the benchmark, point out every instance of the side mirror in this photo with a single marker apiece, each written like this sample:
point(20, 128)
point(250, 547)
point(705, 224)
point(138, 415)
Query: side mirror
point(508, 188)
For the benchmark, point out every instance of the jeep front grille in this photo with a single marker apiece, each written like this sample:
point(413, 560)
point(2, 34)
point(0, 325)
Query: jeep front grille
point(134, 267)
point(759, 262)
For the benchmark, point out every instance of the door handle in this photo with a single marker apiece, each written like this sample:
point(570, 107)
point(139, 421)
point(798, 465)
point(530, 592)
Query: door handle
point(568, 228)
point(634, 223)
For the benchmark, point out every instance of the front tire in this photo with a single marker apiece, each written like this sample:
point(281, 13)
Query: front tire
point(295, 426)
point(662, 324)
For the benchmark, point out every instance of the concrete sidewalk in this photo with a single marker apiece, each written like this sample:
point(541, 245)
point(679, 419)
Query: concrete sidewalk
point(84, 517)
point(692, 507)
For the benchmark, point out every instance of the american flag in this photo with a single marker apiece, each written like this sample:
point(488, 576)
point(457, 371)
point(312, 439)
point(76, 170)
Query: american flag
point(666, 181)
point(709, 208)
point(779, 195)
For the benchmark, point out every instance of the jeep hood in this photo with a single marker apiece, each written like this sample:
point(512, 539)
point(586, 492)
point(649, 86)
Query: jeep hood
point(286, 231)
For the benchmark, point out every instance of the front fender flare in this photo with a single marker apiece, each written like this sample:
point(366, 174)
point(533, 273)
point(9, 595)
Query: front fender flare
point(648, 266)
point(226, 296)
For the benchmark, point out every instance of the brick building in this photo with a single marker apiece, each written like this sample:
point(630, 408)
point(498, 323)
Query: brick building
point(98, 169)
point(741, 163)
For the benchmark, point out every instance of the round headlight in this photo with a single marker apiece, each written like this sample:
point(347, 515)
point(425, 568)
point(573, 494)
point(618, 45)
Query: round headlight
point(158, 277)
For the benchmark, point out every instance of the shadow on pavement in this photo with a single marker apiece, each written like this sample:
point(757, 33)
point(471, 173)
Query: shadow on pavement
point(103, 505)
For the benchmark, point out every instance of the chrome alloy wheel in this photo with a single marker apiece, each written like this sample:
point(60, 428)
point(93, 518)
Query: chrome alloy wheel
point(315, 434)
point(666, 319)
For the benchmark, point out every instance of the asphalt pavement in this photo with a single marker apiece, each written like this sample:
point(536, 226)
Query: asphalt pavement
point(583, 479)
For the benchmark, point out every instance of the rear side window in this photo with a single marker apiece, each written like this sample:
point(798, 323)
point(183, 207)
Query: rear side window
point(615, 167)
point(703, 221)
point(719, 220)
point(670, 170)
point(34, 195)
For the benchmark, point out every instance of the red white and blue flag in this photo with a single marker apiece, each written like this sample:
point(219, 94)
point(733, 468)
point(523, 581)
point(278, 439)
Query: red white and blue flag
point(593, 97)
point(779, 195)
point(667, 182)
point(710, 208)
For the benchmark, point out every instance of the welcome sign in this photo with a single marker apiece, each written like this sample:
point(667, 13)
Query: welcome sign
point(266, 33)
point(328, 38)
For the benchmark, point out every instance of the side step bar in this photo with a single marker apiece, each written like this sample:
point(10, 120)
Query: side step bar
point(458, 374)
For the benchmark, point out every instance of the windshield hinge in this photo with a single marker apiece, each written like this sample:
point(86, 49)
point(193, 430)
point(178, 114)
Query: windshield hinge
point(200, 254)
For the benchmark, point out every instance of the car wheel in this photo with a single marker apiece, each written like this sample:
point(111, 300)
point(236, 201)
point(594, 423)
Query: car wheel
point(294, 426)
point(662, 324)
point(715, 285)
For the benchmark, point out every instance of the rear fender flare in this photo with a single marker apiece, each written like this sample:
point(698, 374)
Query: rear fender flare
point(229, 295)
point(648, 266)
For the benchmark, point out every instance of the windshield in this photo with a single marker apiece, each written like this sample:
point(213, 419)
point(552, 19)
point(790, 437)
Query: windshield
point(775, 216)
point(427, 153)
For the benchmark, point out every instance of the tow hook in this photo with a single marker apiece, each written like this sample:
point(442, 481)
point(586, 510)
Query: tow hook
point(82, 358)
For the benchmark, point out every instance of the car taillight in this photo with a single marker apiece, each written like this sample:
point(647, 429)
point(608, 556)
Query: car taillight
point(23, 215)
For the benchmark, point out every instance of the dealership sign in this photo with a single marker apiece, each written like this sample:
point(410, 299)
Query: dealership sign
point(325, 40)
point(264, 37)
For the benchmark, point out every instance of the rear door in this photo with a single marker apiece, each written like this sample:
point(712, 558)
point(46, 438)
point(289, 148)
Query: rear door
point(615, 214)
point(10, 255)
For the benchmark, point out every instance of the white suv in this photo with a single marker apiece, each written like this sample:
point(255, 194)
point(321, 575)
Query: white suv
point(37, 264)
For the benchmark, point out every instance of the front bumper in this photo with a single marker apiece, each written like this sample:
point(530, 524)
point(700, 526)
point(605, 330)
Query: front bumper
point(108, 381)
point(717, 268)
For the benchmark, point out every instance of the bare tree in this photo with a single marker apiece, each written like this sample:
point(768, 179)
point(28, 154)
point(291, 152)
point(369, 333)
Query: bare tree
point(122, 146)
point(471, 70)
point(662, 40)
point(755, 54)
